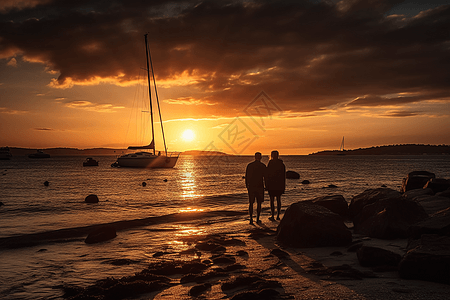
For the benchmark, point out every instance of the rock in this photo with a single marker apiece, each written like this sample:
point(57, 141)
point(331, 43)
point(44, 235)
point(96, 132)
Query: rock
point(445, 193)
point(438, 223)
point(101, 234)
point(91, 199)
point(332, 186)
point(279, 253)
point(310, 225)
point(437, 184)
point(250, 282)
point(224, 260)
point(433, 204)
point(429, 261)
point(335, 203)
point(197, 290)
point(292, 175)
point(374, 257)
point(416, 180)
point(1, 203)
point(144, 184)
point(368, 197)
point(410, 195)
point(388, 218)
point(306, 182)
point(46, 183)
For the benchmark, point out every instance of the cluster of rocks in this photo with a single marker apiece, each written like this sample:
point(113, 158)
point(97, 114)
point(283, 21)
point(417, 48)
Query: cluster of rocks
point(219, 267)
point(420, 212)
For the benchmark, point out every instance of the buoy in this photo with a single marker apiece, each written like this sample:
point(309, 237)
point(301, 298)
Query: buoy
point(46, 183)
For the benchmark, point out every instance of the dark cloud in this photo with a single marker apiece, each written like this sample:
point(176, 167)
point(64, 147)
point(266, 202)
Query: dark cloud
point(306, 55)
point(44, 129)
point(402, 113)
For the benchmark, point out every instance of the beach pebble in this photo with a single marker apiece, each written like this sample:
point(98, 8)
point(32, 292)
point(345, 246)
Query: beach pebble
point(199, 289)
point(91, 199)
point(242, 253)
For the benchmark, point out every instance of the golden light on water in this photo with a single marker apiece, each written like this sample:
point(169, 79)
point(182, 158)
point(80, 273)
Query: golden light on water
point(189, 209)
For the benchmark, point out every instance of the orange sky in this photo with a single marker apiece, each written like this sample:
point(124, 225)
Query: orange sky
point(244, 76)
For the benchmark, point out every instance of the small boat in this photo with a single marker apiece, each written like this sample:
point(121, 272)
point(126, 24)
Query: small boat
point(90, 162)
point(39, 154)
point(144, 159)
point(5, 154)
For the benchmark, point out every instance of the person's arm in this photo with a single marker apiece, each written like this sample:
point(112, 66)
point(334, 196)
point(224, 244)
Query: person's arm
point(246, 177)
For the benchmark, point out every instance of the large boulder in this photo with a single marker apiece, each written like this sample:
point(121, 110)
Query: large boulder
point(433, 204)
point(310, 225)
point(101, 234)
point(368, 197)
point(389, 218)
point(445, 193)
point(416, 180)
point(335, 203)
point(292, 175)
point(437, 184)
point(369, 256)
point(438, 223)
point(429, 260)
point(412, 194)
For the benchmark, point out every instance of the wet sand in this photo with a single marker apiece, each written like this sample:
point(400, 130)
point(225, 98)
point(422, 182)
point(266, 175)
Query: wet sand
point(284, 273)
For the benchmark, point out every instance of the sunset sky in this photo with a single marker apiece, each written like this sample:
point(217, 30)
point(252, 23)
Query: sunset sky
point(243, 76)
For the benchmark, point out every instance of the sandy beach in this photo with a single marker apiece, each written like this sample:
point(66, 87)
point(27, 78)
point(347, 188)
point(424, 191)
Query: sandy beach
point(250, 264)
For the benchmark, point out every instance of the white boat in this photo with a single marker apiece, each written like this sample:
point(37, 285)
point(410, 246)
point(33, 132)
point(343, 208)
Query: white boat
point(5, 154)
point(144, 159)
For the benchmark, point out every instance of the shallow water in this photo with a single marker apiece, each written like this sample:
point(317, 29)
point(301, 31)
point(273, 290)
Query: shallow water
point(195, 184)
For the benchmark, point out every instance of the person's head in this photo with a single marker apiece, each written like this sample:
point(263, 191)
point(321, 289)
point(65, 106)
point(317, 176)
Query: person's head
point(258, 156)
point(274, 154)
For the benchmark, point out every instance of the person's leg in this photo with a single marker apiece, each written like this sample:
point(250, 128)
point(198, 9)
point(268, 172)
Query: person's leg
point(278, 206)
point(272, 207)
point(251, 199)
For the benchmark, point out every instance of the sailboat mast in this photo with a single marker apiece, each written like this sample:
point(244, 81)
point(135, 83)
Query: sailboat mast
point(150, 92)
point(157, 102)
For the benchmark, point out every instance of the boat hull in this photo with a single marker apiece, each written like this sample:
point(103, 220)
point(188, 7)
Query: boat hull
point(146, 161)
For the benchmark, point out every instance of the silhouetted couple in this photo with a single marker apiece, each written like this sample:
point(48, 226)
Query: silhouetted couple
point(274, 178)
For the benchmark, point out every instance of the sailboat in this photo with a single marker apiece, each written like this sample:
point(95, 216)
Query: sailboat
point(144, 159)
point(341, 148)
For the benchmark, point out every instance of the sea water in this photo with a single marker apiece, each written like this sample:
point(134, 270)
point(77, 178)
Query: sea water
point(197, 183)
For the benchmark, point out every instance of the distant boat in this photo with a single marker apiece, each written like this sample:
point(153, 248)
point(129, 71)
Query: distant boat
point(39, 154)
point(90, 162)
point(144, 159)
point(341, 148)
point(5, 154)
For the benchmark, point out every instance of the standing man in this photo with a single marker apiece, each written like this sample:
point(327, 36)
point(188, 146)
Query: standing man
point(275, 182)
point(254, 181)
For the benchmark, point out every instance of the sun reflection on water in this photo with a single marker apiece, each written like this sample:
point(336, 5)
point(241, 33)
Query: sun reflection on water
point(188, 184)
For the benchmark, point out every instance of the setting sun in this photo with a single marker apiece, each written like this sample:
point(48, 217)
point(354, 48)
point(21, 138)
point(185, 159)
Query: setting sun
point(188, 135)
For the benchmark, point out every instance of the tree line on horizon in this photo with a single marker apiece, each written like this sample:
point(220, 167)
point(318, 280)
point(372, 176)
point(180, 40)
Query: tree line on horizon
point(397, 149)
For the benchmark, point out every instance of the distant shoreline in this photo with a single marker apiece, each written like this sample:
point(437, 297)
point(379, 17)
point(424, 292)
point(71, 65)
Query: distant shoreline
point(404, 149)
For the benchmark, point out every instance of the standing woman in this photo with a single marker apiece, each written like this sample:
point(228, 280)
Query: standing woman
point(275, 182)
